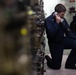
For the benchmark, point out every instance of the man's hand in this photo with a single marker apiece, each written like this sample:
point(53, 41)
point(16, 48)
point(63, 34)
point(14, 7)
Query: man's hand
point(58, 19)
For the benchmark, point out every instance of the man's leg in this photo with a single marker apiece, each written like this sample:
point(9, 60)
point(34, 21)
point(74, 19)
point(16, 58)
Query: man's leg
point(71, 60)
point(56, 51)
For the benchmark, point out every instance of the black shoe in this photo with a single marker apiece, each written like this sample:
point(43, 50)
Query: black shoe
point(49, 63)
point(48, 58)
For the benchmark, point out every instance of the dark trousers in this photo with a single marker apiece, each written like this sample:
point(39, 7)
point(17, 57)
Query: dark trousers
point(56, 50)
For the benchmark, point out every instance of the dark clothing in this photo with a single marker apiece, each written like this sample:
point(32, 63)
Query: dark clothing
point(53, 28)
point(73, 25)
point(58, 41)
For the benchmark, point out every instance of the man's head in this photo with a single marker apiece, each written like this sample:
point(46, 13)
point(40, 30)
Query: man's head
point(60, 9)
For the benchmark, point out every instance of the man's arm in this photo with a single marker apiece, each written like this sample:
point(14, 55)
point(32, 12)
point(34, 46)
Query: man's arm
point(51, 26)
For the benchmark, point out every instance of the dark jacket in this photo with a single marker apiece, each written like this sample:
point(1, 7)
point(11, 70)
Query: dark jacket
point(55, 32)
point(73, 25)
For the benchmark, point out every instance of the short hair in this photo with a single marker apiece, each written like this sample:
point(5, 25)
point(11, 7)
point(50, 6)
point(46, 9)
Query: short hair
point(60, 8)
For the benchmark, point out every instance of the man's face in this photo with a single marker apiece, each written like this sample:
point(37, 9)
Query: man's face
point(61, 14)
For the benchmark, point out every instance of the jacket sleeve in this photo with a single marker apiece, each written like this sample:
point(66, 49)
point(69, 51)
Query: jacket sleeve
point(51, 27)
point(69, 33)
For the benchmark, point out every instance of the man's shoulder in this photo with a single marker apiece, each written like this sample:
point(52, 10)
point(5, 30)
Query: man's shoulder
point(49, 17)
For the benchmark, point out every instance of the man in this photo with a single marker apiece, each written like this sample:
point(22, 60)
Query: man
point(59, 38)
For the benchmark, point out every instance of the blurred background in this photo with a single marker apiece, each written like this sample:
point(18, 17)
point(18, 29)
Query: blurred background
point(22, 41)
